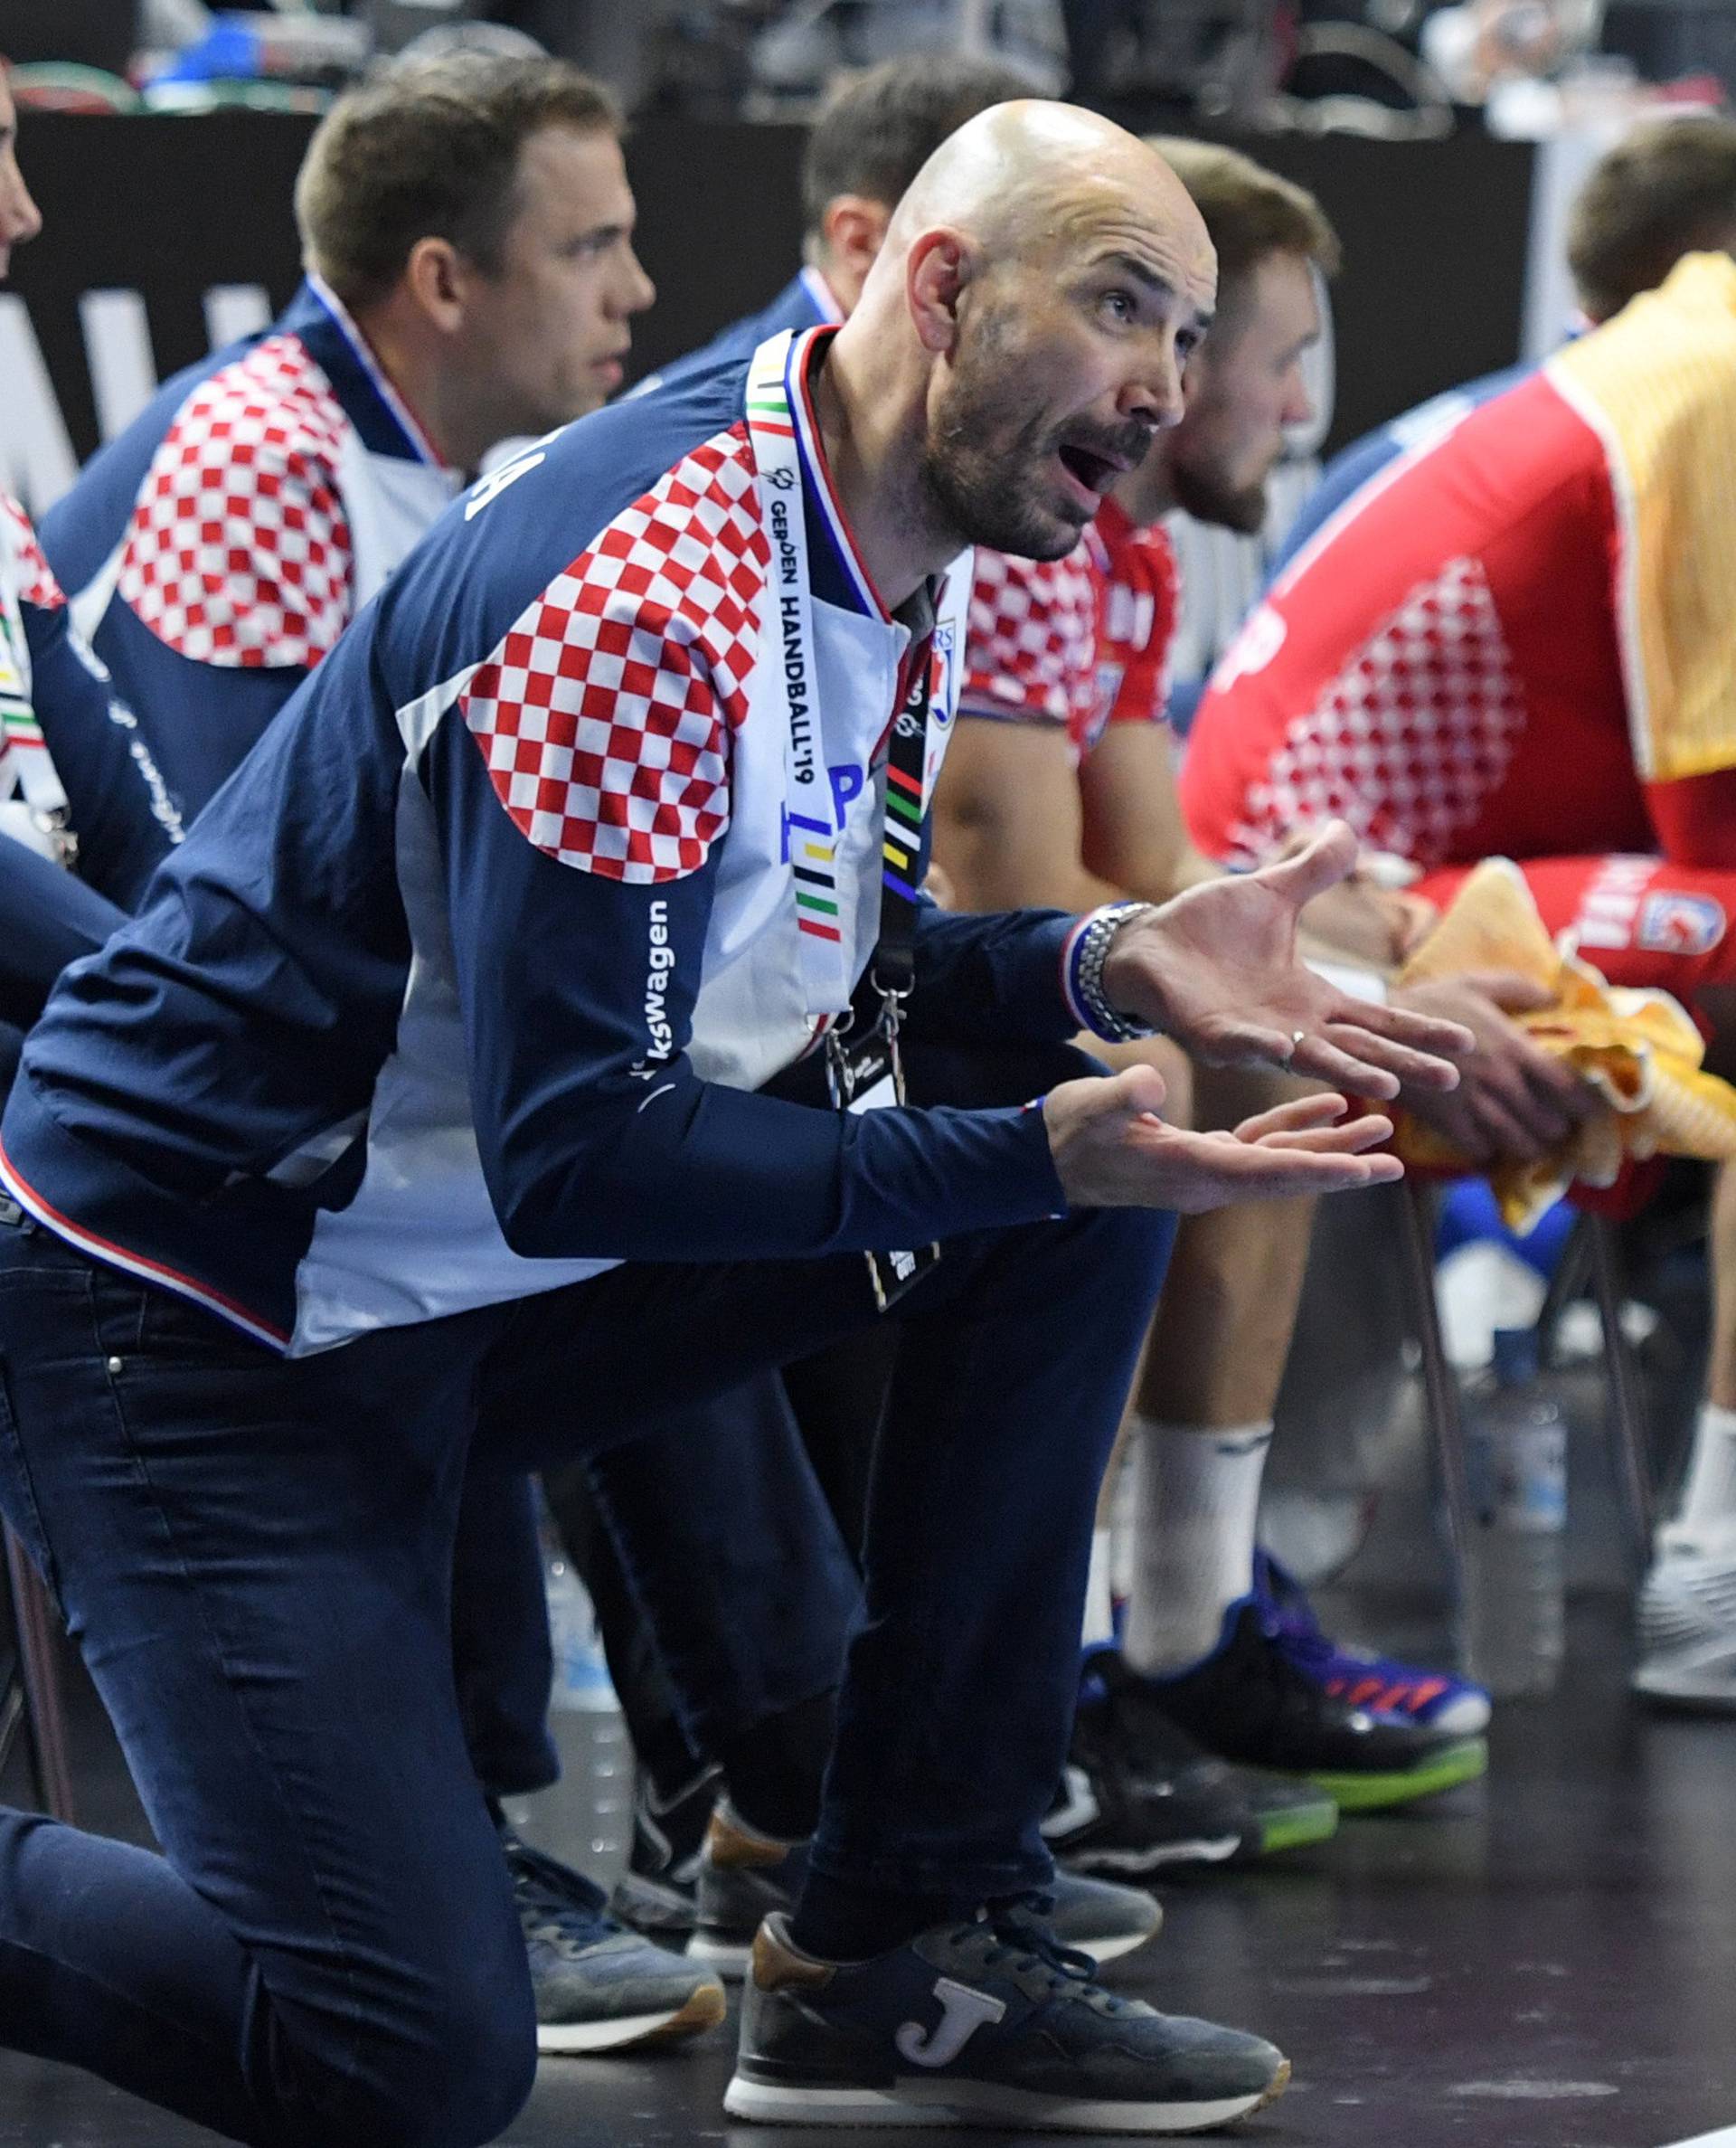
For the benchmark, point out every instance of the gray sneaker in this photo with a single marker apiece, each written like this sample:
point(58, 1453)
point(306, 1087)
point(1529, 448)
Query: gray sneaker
point(599, 1987)
point(745, 1877)
point(987, 2023)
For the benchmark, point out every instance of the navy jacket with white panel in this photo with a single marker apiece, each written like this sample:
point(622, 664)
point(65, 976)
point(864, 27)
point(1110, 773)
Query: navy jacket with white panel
point(215, 551)
point(463, 988)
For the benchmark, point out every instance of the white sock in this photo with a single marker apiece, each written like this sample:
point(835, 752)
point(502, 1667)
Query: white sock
point(1195, 1504)
point(1708, 1509)
point(1100, 1602)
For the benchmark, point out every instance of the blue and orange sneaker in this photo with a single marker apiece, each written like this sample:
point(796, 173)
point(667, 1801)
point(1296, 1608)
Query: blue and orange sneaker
point(1435, 1698)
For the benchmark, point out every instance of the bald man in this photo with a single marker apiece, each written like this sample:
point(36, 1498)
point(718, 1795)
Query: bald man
point(636, 751)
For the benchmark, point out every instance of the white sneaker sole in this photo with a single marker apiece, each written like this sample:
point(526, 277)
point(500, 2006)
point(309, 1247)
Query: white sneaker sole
point(983, 2104)
point(577, 2040)
point(729, 1958)
point(1203, 1849)
point(1683, 1678)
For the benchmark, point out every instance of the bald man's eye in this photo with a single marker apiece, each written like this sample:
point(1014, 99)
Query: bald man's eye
point(1121, 305)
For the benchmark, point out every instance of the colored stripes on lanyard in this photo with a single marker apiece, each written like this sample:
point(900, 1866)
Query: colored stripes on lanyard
point(24, 762)
point(895, 965)
point(786, 477)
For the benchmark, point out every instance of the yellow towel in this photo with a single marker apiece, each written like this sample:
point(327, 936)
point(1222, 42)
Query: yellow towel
point(1639, 1050)
point(1657, 385)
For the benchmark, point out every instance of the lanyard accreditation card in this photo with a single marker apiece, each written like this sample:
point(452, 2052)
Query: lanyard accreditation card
point(863, 1070)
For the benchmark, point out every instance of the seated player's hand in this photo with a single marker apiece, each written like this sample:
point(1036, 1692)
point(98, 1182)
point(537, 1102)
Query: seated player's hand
point(1368, 922)
point(1513, 1103)
point(1113, 1150)
point(1217, 969)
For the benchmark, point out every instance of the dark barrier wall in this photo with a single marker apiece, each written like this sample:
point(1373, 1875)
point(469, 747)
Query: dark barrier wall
point(1435, 238)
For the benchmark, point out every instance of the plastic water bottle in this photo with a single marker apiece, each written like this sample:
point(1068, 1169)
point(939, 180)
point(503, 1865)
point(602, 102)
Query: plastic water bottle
point(1516, 1454)
point(581, 1678)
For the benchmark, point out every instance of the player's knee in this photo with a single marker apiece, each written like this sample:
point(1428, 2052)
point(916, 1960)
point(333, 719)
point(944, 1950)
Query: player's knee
point(460, 2082)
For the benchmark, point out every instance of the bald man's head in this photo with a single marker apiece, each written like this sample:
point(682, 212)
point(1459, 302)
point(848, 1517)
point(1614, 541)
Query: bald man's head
point(1047, 274)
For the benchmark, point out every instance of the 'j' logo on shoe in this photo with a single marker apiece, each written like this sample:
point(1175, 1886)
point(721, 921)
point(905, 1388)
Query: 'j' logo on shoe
point(963, 2012)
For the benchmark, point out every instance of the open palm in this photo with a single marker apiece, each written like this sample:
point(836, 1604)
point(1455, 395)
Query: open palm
point(1217, 969)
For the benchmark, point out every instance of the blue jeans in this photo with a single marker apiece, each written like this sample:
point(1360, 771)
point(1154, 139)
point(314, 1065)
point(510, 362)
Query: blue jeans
point(256, 1557)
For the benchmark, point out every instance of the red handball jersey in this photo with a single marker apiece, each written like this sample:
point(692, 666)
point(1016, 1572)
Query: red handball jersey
point(1031, 643)
point(1440, 665)
point(1138, 592)
point(1082, 642)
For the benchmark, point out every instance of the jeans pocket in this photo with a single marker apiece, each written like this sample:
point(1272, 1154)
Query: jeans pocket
point(18, 1500)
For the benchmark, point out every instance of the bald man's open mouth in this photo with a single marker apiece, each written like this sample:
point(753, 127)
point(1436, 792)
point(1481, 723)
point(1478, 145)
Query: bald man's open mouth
point(1092, 461)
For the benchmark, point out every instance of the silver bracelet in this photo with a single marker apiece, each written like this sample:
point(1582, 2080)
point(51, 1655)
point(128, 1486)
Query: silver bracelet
point(1090, 951)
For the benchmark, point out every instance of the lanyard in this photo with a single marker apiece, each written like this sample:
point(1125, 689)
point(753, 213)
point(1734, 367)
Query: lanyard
point(808, 809)
point(784, 480)
point(24, 762)
point(864, 1072)
point(907, 753)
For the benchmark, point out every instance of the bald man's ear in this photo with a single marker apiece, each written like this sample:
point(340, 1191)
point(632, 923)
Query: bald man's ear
point(936, 273)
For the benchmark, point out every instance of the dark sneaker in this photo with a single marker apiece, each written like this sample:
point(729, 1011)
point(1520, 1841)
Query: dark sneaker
point(1359, 1679)
point(1139, 1794)
point(1252, 1702)
point(985, 2023)
point(744, 1877)
point(599, 1988)
point(655, 1895)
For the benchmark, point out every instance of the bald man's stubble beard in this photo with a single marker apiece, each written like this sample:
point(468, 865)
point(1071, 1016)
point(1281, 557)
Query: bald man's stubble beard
point(978, 500)
point(978, 475)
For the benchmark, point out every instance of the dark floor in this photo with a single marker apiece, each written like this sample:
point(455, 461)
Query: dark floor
point(1548, 1961)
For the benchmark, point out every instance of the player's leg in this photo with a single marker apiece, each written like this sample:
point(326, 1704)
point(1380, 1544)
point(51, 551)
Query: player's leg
point(255, 1558)
point(1221, 1643)
point(1644, 921)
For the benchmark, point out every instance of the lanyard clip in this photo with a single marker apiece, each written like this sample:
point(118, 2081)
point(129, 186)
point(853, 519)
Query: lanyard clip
point(892, 1005)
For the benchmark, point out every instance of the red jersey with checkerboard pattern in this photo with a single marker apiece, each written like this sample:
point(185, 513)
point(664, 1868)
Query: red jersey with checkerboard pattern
point(1439, 666)
point(1138, 597)
point(1080, 642)
point(1030, 642)
point(29, 576)
point(239, 552)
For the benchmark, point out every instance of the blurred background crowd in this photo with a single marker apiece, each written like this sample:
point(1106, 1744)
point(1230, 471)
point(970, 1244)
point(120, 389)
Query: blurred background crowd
point(1395, 68)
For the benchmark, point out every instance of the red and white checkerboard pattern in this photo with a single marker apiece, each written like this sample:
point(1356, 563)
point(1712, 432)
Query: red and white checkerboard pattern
point(239, 552)
point(1031, 643)
point(605, 714)
point(30, 574)
point(1412, 737)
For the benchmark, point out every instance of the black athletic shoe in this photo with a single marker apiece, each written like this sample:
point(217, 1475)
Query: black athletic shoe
point(656, 1894)
point(985, 2024)
point(1250, 1701)
point(1140, 1794)
point(744, 1877)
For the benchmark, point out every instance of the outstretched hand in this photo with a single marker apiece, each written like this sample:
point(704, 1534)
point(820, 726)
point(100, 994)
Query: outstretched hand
point(1217, 969)
point(1112, 1150)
